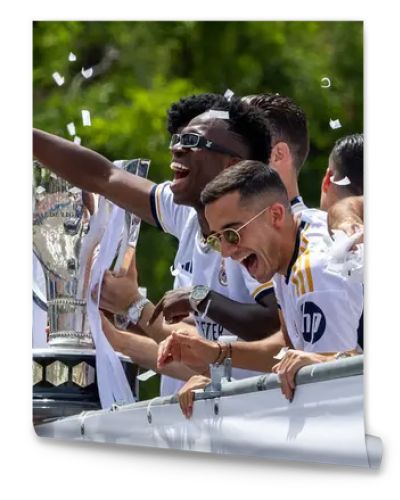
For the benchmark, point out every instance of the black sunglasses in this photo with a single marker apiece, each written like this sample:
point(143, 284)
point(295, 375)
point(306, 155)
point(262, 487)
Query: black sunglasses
point(191, 140)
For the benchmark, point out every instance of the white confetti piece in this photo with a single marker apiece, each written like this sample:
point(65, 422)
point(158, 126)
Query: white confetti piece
point(334, 123)
point(86, 118)
point(40, 190)
point(229, 94)
point(71, 57)
point(281, 354)
point(77, 139)
point(146, 375)
point(71, 128)
point(173, 271)
point(325, 82)
point(87, 73)
point(342, 182)
point(214, 113)
point(58, 78)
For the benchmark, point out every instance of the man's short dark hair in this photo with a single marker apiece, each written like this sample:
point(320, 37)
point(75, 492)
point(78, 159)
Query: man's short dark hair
point(251, 178)
point(245, 120)
point(347, 160)
point(180, 113)
point(287, 123)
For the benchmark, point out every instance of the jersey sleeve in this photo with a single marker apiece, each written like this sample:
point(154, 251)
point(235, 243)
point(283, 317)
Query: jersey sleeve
point(257, 290)
point(329, 312)
point(168, 216)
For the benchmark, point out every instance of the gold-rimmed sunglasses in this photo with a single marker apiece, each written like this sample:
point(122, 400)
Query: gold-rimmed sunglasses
point(230, 235)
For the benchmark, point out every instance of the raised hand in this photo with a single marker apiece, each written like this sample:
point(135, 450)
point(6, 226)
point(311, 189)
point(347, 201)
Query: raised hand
point(188, 348)
point(119, 290)
point(287, 368)
point(174, 305)
point(186, 394)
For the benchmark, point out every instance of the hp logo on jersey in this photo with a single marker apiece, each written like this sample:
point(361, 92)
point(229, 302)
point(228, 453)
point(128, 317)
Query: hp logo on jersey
point(313, 322)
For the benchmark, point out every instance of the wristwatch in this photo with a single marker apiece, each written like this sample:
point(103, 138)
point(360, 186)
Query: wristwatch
point(135, 310)
point(197, 295)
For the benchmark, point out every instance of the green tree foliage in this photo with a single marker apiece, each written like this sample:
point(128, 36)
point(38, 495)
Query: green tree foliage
point(142, 67)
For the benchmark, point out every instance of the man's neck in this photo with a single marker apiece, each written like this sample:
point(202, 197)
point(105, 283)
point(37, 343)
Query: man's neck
point(291, 184)
point(205, 229)
point(289, 237)
point(287, 172)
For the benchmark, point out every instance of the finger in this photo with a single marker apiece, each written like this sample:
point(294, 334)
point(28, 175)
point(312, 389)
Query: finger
point(172, 319)
point(164, 352)
point(132, 271)
point(157, 311)
point(189, 411)
point(291, 375)
point(276, 368)
point(183, 403)
point(284, 385)
point(119, 274)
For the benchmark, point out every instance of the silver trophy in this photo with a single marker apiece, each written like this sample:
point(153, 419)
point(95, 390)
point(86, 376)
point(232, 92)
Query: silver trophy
point(60, 222)
point(64, 375)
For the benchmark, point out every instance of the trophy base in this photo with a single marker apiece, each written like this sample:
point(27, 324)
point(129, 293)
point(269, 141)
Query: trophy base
point(66, 340)
point(65, 382)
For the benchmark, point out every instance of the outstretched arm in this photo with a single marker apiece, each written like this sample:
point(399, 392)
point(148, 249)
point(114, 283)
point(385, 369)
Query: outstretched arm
point(196, 351)
point(142, 350)
point(91, 171)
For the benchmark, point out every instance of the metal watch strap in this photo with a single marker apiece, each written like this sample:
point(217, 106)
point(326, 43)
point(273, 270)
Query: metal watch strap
point(136, 309)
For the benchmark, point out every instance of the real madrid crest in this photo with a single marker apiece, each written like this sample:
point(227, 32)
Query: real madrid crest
point(222, 277)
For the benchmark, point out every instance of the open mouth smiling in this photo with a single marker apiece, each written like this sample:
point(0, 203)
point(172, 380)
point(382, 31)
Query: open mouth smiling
point(180, 171)
point(249, 261)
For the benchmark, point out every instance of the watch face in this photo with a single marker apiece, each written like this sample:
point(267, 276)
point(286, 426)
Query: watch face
point(200, 292)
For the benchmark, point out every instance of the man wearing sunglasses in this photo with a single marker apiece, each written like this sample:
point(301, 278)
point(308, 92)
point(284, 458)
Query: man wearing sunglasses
point(248, 209)
point(287, 125)
point(207, 145)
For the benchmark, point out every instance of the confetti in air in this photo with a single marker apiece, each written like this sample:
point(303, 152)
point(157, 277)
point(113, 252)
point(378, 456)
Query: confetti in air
point(71, 57)
point(87, 73)
point(86, 118)
point(334, 124)
point(325, 82)
point(341, 182)
point(77, 139)
point(58, 78)
point(71, 128)
point(229, 94)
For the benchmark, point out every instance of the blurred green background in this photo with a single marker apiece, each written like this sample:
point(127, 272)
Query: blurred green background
point(142, 67)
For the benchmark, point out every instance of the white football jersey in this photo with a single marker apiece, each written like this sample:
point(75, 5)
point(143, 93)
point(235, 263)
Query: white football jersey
point(197, 264)
point(322, 310)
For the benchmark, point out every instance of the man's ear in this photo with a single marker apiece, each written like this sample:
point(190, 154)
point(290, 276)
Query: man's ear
point(326, 181)
point(277, 211)
point(280, 153)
